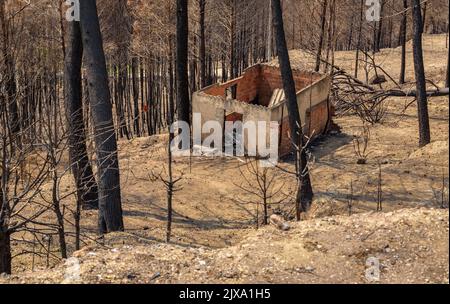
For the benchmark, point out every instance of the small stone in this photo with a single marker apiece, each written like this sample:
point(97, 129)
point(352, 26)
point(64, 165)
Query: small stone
point(279, 222)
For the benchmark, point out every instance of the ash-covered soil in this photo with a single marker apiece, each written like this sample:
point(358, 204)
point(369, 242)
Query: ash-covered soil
point(411, 246)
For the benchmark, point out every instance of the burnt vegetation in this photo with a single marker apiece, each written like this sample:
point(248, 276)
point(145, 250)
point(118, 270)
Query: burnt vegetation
point(71, 90)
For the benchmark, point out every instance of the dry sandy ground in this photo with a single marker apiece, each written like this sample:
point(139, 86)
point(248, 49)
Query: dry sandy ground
point(212, 213)
point(410, 245)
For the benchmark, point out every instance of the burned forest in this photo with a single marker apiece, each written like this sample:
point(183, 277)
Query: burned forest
point(224, 141)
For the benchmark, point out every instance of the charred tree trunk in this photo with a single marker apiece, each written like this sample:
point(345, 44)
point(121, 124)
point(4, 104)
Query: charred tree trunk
point(424, 17)
point(422, 103)
point(403, 42)
point(358, 45)
point(59, 215)
point(170, 190)
point(5, 209)
point(142, 86)
point(305, 193)
point(269, 34)
point(380, 28)
point(233, 57)
point(183, 102)
point(9, 73)
point(448, 57)
point(134, 72)
point(5, 250)
point(390, 31)
point(203, 79)
point(122, 102)
point(87, 195)
point(110, 208)
point(448, 69)
point(171, 83)
point(330, 33)
point(350, 35)
point(322, 34)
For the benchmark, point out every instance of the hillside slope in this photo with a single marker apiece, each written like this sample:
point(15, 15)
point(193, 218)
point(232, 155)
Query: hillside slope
point(411, 245)
point(212, 212)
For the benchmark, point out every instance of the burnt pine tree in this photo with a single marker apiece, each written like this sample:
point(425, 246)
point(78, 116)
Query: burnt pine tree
point(233, 51)
point(424, 17)
point(448, 59)
point(202, 6)
point(380, 28)
point(81, 168)
point(110, 208)
point(322, 34)
point(422, 103)
point(403, 29)
point(183, 103)
point(5, 208)
point(135, 83)
point(448, 68)
point(358, 44)
point(305, 192)
point(9, 72)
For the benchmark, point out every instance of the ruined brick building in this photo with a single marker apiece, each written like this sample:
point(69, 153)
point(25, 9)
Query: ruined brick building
point(258, 95)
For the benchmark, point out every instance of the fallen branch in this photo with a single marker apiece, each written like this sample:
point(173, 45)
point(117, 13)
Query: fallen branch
point(413, 93)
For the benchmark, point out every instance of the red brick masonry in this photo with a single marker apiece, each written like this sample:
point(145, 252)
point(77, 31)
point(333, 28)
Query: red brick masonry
point(257, 85)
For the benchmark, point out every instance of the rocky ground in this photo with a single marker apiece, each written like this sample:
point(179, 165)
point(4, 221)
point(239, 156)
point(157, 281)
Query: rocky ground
point(410, 245)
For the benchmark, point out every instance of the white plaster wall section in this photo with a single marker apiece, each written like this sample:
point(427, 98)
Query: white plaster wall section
point(206, 106)
point(214, 108)
point(317, 93)
point(313, 95)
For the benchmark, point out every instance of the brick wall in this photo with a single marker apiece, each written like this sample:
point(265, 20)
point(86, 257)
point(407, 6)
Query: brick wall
point(271, 79)
point(285, 145)
point(317, 118)
point(247, 86)
point(259, 82)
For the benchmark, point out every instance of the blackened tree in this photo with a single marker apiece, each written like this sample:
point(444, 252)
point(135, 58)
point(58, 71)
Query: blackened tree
point(403, 41)
point(305, 192)
point(422, 103)
point(322, 34)
point(110, 208)
point(81, 168)
point(183, 101)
